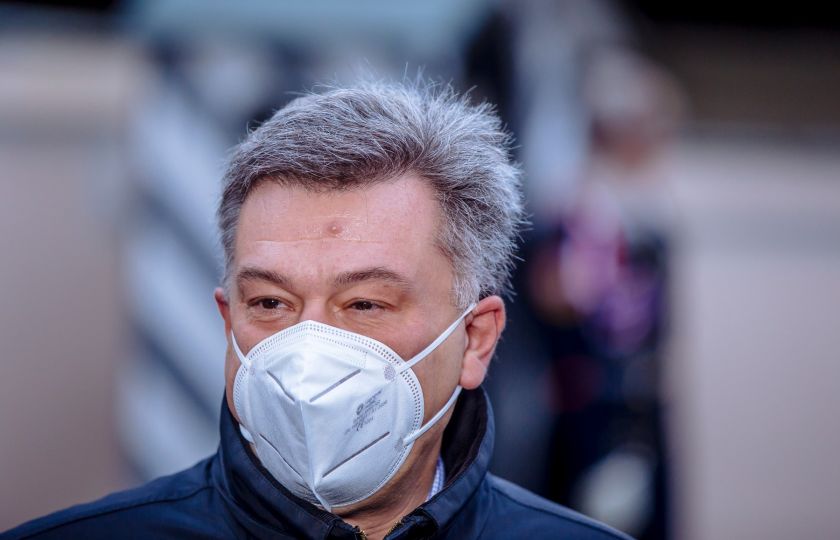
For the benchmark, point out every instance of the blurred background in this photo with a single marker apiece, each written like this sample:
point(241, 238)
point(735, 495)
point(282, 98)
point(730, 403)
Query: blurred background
point(670, 365)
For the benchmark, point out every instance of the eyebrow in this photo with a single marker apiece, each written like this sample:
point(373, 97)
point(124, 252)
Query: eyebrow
point(253, 273)
point(375, 273)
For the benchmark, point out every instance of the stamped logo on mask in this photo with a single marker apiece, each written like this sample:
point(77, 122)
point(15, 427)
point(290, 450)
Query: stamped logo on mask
point(366, 410)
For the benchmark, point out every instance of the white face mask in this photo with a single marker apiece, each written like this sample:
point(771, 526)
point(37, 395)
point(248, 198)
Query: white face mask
point(332, 414)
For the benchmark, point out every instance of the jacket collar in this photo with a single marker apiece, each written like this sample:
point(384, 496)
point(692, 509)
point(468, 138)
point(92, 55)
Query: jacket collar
point(263, 507)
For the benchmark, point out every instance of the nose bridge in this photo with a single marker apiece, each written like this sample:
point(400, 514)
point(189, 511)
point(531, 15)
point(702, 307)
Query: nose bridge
point(316, 310)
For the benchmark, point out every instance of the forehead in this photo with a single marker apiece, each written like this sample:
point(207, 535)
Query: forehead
point(392, 223)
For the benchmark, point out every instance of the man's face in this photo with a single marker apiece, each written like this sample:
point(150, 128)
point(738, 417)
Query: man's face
point(364, 260)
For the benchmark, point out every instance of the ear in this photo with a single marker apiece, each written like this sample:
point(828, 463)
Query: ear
point(484, 325)
point(223, 304)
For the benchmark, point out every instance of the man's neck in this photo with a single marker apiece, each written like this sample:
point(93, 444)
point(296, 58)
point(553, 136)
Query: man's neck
point(377, 516)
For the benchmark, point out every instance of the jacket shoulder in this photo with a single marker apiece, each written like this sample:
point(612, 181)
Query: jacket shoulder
point(528, 515)
point(172, 503)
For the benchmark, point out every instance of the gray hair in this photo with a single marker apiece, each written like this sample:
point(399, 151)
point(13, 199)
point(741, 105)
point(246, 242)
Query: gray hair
point(375, 131)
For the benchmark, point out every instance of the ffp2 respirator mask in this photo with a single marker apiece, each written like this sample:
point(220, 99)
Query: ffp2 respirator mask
point(332, 414)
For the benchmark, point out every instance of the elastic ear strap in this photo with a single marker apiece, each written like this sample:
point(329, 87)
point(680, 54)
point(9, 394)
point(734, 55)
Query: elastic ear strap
point(436, 343)
point(242, 357)
point(433, 420)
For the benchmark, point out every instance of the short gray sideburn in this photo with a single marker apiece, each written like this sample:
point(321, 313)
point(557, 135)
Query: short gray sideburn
point(348, 137)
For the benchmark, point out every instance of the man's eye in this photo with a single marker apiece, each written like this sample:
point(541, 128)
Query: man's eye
point(269, 303)
point(364, 305)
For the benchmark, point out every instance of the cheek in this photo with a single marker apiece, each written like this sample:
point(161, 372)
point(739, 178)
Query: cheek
point(231, 367)
point(232, 364)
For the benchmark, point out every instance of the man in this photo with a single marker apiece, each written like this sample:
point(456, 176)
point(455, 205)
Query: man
point(367, 234)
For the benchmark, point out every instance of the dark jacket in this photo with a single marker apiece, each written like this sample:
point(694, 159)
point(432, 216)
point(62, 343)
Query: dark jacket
point(230, 495)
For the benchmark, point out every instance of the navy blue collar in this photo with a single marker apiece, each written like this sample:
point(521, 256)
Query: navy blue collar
point(266, 509)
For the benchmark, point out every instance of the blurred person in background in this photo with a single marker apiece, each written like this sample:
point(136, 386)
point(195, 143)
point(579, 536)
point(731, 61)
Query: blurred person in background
point(597, 286)
point(595, 118)
point(368, 233)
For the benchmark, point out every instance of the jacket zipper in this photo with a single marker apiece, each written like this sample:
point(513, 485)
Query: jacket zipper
point(360, 534)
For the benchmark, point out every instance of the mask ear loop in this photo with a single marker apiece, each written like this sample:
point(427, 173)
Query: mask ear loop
point(436, 343)
point(242, 358)
point(245, 362)
point(411, 437)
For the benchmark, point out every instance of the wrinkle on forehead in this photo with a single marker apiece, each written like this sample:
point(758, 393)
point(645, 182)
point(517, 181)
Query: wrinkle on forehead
point(303, 240)
point(352, 229)
point(380, 214)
